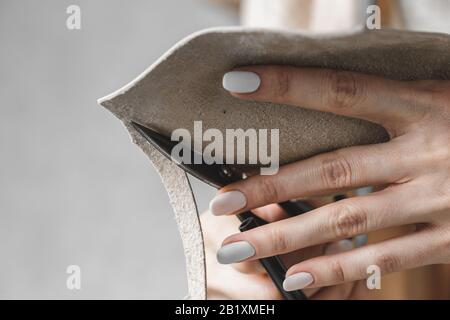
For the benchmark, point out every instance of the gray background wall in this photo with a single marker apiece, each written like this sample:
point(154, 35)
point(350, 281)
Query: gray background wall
point(73, 189)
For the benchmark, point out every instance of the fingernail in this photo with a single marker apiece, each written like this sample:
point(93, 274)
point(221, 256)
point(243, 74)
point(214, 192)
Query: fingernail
point(235, 252)
point(297, 281)
point(361, 240)
point(241, 81)
point(340, 246)
point(227, 202)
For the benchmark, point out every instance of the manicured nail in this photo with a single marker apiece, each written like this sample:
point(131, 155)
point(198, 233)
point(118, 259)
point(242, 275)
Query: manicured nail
point(235, 252)
point(297, 281)
point(241, 81)
point(227, 202)
point(340, 246)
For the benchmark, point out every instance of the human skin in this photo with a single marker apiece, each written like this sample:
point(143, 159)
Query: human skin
point(414, 166)
point(248, 279)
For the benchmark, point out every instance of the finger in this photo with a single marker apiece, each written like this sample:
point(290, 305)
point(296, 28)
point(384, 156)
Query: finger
point(327, 173)
point(340, 220)
point(251, 287)
point(249, 267)
point(221, 283)
point(339, 292)
point(410, 251)
point(271, 212)
point(255, 267)
point(376, 99)
point(316, 293)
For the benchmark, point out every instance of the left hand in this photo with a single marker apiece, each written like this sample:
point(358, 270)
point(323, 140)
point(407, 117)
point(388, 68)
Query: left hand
point(414, 164)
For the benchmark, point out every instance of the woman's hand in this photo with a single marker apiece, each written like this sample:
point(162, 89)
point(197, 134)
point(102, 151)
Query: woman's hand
point(414, 164)
point(248, 280)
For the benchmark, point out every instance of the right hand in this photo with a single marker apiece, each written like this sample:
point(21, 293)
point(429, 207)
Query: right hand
point(248, 279)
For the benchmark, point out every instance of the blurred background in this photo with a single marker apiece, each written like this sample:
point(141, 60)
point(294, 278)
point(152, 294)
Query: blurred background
point(73, 188)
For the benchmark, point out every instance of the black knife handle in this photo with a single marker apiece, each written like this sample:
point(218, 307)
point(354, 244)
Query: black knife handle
point(295, 208)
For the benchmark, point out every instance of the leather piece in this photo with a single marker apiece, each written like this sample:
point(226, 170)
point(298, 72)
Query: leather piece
point(185, 85)
point(183, 203)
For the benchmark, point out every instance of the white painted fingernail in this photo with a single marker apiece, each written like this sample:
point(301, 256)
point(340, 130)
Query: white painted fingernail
point(241, 81)
point(235, 252)
point(227, 202)
point(297, 281)
point(340, 246)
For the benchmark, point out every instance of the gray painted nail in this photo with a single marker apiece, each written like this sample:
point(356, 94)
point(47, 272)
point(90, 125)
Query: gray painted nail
point(241, 81)
point(235, 252)
point(297, 281)
point(227, 202)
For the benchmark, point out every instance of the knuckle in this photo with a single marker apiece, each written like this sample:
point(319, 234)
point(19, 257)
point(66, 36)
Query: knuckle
point(278, 240)
point(337, 271)
point(282, 81)
point(336, 172)
point(343, 89)
point(347, 220)
point(388, 263)
point(267, 191)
